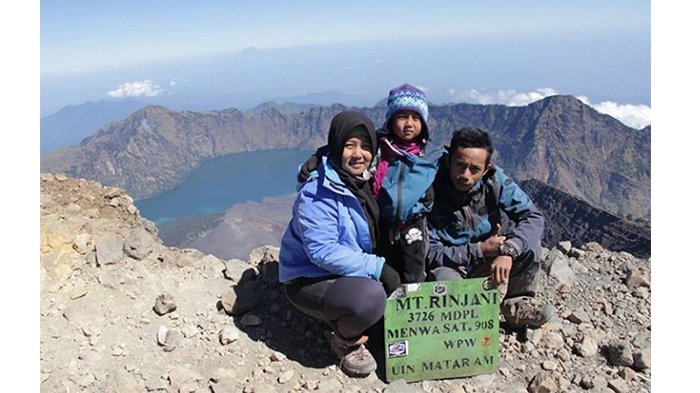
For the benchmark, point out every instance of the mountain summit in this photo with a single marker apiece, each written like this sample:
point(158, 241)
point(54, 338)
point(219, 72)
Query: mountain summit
point(120, 312)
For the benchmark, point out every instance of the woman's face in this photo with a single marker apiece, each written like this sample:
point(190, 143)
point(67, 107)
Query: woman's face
point(357, 155)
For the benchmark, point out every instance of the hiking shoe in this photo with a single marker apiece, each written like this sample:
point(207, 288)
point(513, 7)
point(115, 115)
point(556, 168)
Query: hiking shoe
point(355, 359)
point(521, 312)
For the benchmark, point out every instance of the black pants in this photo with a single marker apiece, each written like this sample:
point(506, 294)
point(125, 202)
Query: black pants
point(405, 248)
point(349, 305)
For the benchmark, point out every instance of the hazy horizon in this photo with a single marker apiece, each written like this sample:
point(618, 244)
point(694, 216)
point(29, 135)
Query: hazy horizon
point(218, 55)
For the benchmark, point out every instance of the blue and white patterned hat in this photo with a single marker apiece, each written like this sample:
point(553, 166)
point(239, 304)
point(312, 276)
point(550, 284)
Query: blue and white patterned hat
point(406, 97)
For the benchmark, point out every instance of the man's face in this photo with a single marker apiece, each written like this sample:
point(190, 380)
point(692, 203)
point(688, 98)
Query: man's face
point(467, 166)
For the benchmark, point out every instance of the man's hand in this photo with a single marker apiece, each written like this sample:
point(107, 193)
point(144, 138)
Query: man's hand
point(311, 164)
point(500, 268)
point(306, 168)
point(489, 247)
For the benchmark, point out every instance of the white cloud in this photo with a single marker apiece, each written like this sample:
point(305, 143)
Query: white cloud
point(503, 97)
point(635, 116)
point(144, 88)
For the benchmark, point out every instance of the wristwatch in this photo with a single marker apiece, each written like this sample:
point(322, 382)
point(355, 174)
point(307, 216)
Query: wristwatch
point(508, 249)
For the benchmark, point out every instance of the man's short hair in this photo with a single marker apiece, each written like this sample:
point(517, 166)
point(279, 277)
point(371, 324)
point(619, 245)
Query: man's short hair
point(471, 137)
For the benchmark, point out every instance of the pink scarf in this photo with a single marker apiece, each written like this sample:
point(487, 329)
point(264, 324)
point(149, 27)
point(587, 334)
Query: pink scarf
point(388, 152)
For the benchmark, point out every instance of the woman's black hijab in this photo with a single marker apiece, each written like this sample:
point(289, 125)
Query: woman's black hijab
point(344, 126)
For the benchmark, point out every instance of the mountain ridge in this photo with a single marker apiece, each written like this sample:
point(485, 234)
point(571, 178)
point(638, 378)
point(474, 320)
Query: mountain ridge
point(558, 140)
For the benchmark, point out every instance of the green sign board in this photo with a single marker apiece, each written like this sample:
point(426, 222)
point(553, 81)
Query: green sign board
point(441, 329)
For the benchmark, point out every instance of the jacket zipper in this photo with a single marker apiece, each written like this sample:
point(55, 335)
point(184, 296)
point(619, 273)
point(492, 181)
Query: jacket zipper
point(398, 192)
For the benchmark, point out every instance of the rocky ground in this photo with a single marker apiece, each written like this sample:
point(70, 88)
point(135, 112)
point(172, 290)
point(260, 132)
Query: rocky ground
point(120, 312)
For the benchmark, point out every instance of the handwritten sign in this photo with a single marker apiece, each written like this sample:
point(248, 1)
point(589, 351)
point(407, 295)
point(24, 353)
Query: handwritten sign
point(441, 329)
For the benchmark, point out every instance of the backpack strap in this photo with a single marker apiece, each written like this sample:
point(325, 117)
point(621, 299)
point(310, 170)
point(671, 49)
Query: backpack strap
point(493, 190)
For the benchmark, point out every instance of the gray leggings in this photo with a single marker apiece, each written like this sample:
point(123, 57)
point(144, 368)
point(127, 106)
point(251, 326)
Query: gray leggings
point(350, 305)
point(522, 280)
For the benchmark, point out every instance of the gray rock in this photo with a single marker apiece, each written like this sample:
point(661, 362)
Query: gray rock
point(264, 254)
point(330, 386)
point(482, 381)
point(156, 384)
point(251, 320)
point(190, 331)
point(139, 244)
point(260, 388)
point(641, 292)
point(285, 376)
point(550, 365)
point(234, 268)
point(180, 376)
point(150, 226)
point(225, 386)
point(578, 267)
point(620, 354)
point(618, 385)
point(229, 334)
point(167, 338)
point(61, 177)
point(277, 356)
point(109, 249)
point(638, 277)
point(628, 374)
point(82, 243)
point(238, 300)
point(221, 374)
point(561, 271)
point(593, 247)
point(578, 316)
point(599, 382)
point(86, 380)
point(577, 253)
point(564, 247)
point(542, 383)
point(642, 360)
point(190, 387)
point(119, 381)
point(165, 303)
point(401, 386)
point(586, 348)
point(113, 192)
point(554, 341)
point(550, 258)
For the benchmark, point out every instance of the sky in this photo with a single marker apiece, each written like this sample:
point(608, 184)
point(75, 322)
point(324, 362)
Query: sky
point(220, 54)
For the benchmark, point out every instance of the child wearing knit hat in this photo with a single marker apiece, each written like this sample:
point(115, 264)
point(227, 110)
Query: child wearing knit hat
point(406, 167)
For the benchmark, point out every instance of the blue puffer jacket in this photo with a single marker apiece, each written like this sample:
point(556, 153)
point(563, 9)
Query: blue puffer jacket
point(407, 179)
point(328, 233)
point(460, 220)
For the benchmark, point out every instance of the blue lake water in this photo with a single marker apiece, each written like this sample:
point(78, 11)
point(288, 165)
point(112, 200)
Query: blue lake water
point(221, 182)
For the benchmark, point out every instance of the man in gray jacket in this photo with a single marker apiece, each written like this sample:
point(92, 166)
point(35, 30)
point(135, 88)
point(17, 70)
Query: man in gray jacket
point(465, 228)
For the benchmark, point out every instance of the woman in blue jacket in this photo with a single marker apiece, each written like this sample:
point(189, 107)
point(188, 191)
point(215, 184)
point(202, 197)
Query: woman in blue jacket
point(327, 261)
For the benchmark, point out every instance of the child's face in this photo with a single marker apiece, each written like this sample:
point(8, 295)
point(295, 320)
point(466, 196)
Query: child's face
point(406, 125)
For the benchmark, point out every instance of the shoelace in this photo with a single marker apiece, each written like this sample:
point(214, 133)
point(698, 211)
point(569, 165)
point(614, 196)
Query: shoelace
point(360, 353)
